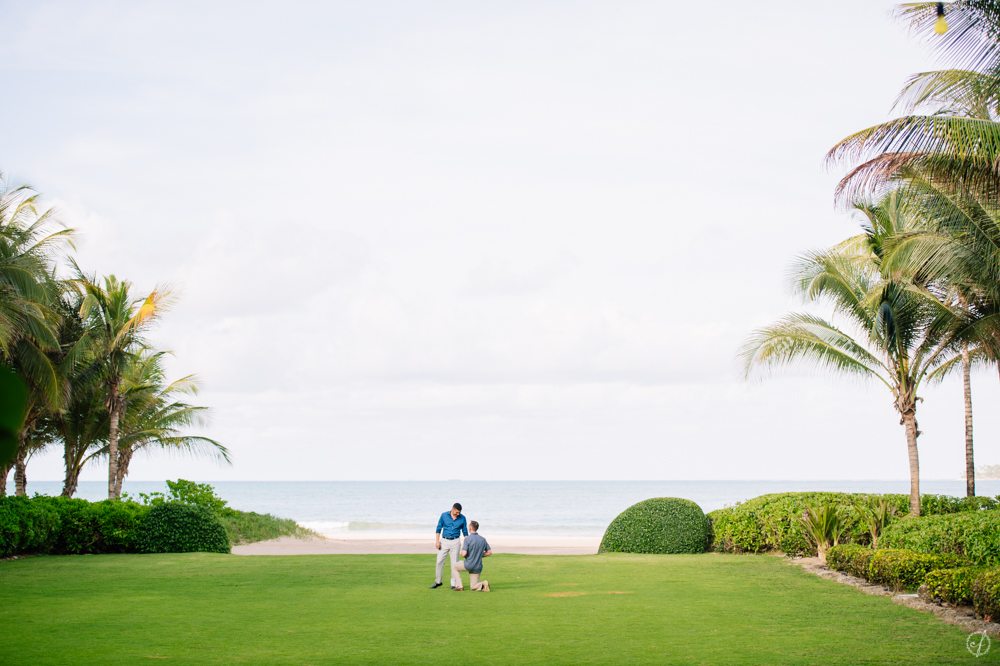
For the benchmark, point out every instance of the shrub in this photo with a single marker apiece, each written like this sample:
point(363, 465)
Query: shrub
point(248, 526)
point(972, 534)
point(823, 526)
point(188, 492)
point(78, 529)
point(986, 594)
point(771, 522)
point(953, 586)
point(850, 558)
point(658, 525)
point(26, 526)
point(172, 527)
point(118, 526)
point(903, 569)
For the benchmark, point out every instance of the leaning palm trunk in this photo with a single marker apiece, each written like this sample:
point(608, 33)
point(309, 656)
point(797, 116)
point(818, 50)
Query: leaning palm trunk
point(970, 459)
point(4, 471)
point(72, 478)
point(124, 458)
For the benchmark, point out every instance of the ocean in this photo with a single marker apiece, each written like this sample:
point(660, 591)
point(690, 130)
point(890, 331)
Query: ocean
point(409, 509)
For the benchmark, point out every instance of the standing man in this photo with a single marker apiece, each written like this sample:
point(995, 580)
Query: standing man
point(451, 526)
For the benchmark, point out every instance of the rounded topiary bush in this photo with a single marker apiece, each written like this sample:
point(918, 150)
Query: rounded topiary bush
point(172, 527)
point(658, 525)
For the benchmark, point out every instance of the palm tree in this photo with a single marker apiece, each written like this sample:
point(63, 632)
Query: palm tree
point(29, 238)
point(115, 324)
point(955, 249)
point(958, 141)
point(902, 331)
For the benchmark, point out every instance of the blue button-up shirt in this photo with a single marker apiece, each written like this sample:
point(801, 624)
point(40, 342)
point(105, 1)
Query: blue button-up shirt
point(450, 527)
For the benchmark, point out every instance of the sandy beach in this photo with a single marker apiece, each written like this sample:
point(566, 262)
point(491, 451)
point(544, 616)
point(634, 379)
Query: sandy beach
point(523, 545)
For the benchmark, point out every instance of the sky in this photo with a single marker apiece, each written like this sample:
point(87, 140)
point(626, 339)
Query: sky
point(443, 240)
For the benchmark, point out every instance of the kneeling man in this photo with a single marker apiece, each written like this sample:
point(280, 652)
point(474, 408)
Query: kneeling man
point(474, 550)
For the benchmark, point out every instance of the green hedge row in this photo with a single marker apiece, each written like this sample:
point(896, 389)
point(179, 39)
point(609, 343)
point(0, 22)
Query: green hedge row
point(658, 525)
point(773, 522)
point(953, 586)
point(945, 577)
point(850, 558)
point(973, 535)
point(903, 569)
point(60, 525)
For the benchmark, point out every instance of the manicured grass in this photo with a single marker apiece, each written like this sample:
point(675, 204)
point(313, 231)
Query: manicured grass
point(664, 609)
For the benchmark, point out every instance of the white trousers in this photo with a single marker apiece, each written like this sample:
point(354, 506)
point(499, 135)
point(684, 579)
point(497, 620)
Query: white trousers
point(449, 547)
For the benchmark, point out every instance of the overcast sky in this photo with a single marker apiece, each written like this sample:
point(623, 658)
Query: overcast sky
point(480, 240)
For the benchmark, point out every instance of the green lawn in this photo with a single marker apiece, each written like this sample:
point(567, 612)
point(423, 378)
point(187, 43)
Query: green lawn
point(674, 609)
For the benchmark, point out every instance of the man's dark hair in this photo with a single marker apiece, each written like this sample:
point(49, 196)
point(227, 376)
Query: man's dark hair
point(474, 525)
point(456, 505)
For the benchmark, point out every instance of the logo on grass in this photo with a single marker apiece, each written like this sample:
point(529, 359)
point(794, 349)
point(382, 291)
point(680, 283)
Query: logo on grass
point(978, 644)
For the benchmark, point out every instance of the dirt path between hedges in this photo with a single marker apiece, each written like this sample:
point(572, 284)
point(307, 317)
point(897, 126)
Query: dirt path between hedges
point(960, 616)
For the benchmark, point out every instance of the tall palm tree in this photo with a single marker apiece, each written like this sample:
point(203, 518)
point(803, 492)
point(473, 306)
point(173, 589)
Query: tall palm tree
point(956, 249)
point(29, 240)
point(902, 333)
point(116, 323)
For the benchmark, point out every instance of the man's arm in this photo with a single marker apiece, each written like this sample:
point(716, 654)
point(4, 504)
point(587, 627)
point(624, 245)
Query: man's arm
point(487, 553)
point(437, 533)
point(465, 527)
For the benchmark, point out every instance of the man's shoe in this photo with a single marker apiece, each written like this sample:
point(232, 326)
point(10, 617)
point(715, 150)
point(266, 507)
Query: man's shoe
point(435, 586)
point(459, 589)
point(486, 587)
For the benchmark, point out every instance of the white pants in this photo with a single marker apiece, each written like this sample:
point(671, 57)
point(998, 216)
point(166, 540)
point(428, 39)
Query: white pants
point(448, 546)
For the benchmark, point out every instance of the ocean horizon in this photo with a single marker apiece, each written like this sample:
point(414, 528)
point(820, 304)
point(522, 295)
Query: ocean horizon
point(409, 509)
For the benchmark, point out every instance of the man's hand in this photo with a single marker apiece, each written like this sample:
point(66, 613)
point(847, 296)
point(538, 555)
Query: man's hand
point(465, 553)
point(437, 544)
point(487, 553)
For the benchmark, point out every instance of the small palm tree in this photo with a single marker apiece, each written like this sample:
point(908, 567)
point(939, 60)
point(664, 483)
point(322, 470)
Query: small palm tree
point(115, 324)
point(156, 416)
point(902, 332)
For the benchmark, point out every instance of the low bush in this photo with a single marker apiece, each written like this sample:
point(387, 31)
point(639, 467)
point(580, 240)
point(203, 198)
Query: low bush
point(953, 586)
point(986, 594)
point(248, 526)
point(658, 525)
point(850, 558)
point(973, 534)
point(172, 527)
point(903, 569)
point(773, 522)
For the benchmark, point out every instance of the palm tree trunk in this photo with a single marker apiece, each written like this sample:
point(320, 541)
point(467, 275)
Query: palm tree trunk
point(114, 413)
point(125, 457)
point(72, 478)
point(910, 424)
point(21, 472)
point(970, 459)
point(4, 471)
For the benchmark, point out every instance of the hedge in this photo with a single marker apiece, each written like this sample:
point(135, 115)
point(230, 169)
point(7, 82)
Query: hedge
point(953, 586)
point(974, 535)
point(658, 525)
point(773, 522)
point(986, 594)
point(172, 527)
point(903, 569)
point(850, 558)
point(60, 525)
